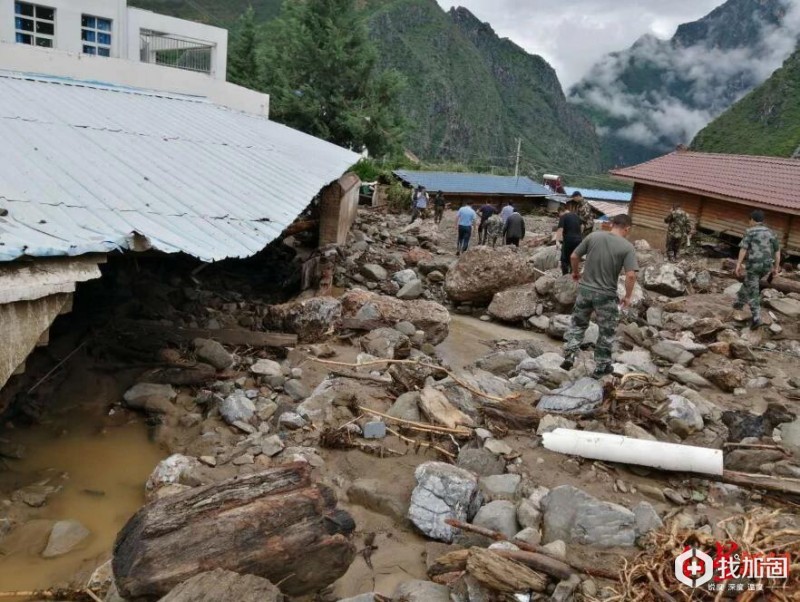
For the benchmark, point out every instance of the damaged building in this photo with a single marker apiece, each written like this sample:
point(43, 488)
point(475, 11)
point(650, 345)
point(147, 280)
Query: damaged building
point(89, 170)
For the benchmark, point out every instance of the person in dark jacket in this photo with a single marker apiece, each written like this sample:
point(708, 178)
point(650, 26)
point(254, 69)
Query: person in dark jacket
point(514, 230)
point(568, 234)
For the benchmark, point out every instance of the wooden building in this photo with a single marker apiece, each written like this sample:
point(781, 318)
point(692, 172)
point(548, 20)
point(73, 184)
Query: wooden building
point(479, 189)
point(718, 191)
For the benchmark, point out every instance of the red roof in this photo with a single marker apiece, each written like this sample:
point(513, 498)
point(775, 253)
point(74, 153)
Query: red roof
point(763, 181)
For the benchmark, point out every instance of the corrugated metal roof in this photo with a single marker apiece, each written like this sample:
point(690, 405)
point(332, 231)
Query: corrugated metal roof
point(601, 195)
point(473, 183)
point(765, 181)
point(610, 209)
point(84, 165)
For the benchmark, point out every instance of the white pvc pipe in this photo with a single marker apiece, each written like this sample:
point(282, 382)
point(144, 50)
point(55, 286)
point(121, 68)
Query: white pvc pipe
point(627, 450)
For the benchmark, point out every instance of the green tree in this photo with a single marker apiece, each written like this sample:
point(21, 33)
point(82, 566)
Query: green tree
point(320, 69)
point(243, 67)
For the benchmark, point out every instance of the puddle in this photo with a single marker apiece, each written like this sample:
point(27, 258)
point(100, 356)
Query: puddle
point(464, 346)
point(106, 465)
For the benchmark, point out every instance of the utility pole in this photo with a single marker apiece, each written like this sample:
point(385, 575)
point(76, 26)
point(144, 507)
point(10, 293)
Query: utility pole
point(519, 149)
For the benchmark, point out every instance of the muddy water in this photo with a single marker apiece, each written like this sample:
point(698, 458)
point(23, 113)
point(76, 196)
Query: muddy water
point(105, 461)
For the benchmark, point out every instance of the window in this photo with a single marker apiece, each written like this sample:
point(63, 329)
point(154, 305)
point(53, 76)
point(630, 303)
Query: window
point(34, 25)
point(96, 35)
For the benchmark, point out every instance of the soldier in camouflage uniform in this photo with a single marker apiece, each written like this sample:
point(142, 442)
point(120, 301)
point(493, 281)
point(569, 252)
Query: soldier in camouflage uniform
point(760, 253)
point(607, 253)
point(679, 227)
point(494, 229)
point(584, 211)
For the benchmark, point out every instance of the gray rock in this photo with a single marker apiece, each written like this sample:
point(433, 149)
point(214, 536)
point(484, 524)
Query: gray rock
point(266, 368)
point(406, 407)
point(572, 515)
point(272, 445)
point(528, 515)
point(655, 316)
point(406, 328)
point(539, 323)
point(666, 278)
point(647, 518)
point(374, 272)
point(559, 325)
point(436, 277)
point(732, 290)
point(680, 408)
point(688, 377)
point(672, 353)
point(549, 423)
point(529, 535)
point(245, 427)
point(565, 589)
point(790, 436)
point(213, 353)
point(786, 305)
point(639, 359)
point(403, 277)
point(636, 432)
point(296, 390)
point(442, 492)
point(220, 585)
point(291, 421)
point(581, 396)
point(386, 343)
point(481, 462)
point(176, 469)
point(372, 495)
point(374, 430)
point(368, 597)
point(556, 549)
point(421, 591)
point(544, 285)
point(237, 407)
point(243, 460)
point(438, 263)
point(502, 363)
point(412, 290)
point(547, 367)
point(514, 304)
point(749, 460)
point(500, 515)
point(547, 258)
point(565, 291)
point(500, 486)
point(66, 536)
point(142, 394)
point(702, 281)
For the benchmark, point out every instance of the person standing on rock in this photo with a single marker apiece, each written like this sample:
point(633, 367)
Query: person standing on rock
point(465, 221)
point(679, 228)
point(506, 212)
point(514, 230)
point(438, 207)
point(487, 211)
point(568, 235)
point(607, 253)
point(760, 254)
point(420, 201)
point(584, 211)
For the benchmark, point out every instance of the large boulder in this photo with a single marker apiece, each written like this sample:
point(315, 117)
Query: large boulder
point(483, 271)
point(386, 343)
point(437, 263)
point(579, 397)
point(515, 304)
point(573, 516)
point(374, 272)
point(666, 278)
point(502, 363)
point(442, 492)
point(786, 305)
point(547, 258)
point(310, 320)
point(363, 310)
point(220, 585)
point(545, 368)
point(565, 291)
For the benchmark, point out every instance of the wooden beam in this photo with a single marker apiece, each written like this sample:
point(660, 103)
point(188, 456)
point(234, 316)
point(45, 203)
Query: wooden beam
point(231, 336)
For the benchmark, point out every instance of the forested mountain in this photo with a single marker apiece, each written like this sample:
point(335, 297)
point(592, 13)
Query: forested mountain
point(469, 94)
point(660, 93)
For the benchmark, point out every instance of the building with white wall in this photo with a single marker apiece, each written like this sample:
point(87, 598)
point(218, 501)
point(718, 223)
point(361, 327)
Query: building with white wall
point(111, 29)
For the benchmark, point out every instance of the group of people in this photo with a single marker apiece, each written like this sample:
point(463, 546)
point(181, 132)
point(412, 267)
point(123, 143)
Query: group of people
point(420, 201)
point(494, 224)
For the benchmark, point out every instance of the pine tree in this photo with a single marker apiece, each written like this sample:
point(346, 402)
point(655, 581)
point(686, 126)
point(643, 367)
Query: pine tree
point(320, 68)
point(242, 58)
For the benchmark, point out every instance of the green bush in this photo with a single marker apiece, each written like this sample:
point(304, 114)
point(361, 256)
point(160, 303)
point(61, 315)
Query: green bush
point(399, 198)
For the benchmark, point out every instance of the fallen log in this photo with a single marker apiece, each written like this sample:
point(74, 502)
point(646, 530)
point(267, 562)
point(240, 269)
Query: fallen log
point(784, 285)
point(539, 562)
point(276, 524)
point(760, 481)
point(451, 562)
point(226, 336)
point(503, 575)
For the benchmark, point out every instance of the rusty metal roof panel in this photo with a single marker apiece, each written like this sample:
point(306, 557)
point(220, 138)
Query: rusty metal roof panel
point(85, 166)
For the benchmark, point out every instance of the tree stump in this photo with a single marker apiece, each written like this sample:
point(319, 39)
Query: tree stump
point(276, 524)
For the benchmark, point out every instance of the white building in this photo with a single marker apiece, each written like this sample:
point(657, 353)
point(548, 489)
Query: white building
point(108, 41)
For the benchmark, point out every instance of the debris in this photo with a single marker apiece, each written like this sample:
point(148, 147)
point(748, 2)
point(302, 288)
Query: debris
point(501, 574)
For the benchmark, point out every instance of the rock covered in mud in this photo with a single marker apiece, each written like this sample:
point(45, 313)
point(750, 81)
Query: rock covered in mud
point(237, 407)
point(177, 469)
point(66, 536)
point(578, 397)
point(442, 492)
point(547, 258)
point(666, 278)
point(727, 377)
point(220, 585)
point(386, 343)
point(514, 304)
point(574, 516)
point(499, 515)
point(213, 353)
point(421, 591)
point(364, 310)
point(480, 273)
point(502, 363)
point(143, 394)
point(310, 319)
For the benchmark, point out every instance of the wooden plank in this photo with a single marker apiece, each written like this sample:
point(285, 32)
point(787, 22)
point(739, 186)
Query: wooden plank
point(760, 481)
point(232, 336)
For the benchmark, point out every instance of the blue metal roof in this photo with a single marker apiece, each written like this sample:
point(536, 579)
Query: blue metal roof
point(602, 195)
point(85, 166)
point(473, 183)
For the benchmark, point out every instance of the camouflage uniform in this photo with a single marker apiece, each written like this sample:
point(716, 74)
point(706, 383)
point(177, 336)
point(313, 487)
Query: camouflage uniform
point(678, 228)
point(584, 211)
point(606, 309)
point(494, 229)
point(761, 245)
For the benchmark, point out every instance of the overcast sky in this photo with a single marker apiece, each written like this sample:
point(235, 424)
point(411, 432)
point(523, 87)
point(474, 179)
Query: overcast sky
point(573, 34)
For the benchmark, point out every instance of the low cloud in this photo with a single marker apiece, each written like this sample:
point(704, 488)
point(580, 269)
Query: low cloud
point(710, 79)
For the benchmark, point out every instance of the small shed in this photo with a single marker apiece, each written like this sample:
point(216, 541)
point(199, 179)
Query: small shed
point(475, 188)
point(718, 192)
